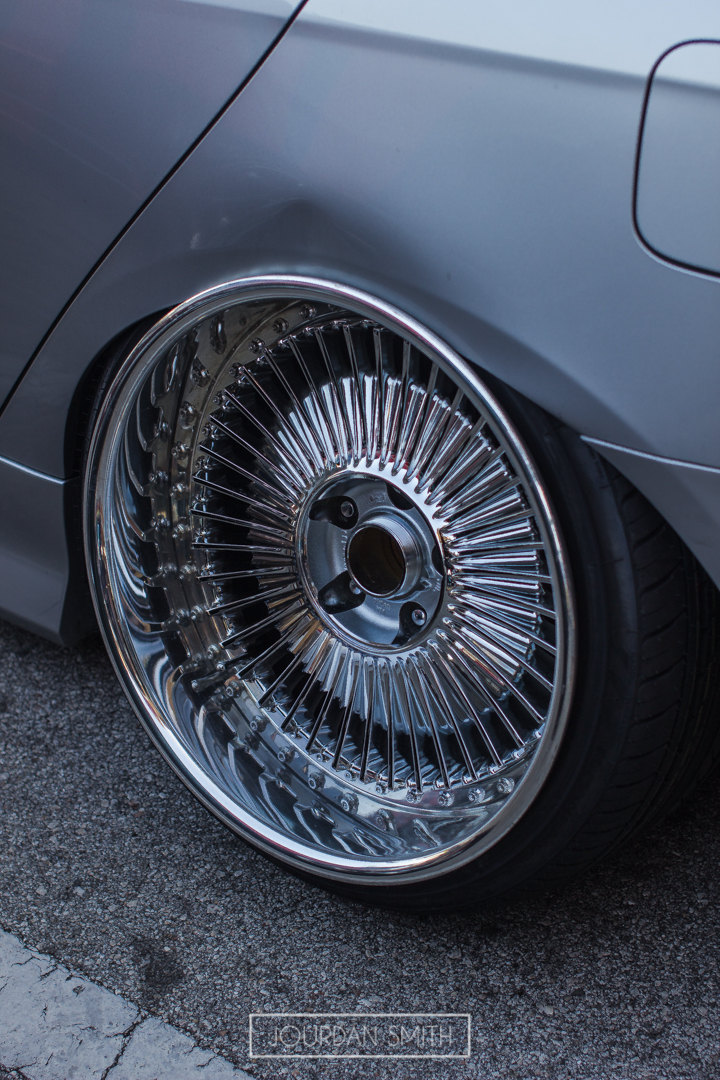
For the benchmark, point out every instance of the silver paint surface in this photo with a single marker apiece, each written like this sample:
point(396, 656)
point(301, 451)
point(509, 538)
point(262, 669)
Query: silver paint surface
point(610, 35)
point(475, 169)
point(97, 102)
point(34, 558)
point(487, 195)
point(678, 188)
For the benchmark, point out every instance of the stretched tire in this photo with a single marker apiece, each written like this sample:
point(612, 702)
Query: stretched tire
point(401, 632)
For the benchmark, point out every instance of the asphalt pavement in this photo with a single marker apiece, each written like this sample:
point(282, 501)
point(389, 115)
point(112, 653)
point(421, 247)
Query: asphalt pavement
point(111, 867)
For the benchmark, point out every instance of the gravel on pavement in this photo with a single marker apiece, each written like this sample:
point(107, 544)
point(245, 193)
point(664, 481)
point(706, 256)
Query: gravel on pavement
point(55, 1025)
point(111, 867)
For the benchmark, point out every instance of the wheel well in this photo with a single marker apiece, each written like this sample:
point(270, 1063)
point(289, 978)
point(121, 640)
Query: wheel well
point(78, 619)
point(98, 374)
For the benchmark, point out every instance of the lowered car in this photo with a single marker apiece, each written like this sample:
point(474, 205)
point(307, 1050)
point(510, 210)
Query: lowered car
point(360, 379)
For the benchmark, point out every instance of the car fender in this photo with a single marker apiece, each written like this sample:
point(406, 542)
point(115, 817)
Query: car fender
point(486, 192)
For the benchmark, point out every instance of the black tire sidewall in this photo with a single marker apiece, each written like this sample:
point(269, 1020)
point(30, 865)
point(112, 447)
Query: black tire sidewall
point(529, 857)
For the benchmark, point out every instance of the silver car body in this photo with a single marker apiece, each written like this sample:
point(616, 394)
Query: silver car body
point(472, 163)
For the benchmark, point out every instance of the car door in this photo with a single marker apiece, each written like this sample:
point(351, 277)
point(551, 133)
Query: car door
point(98, 101)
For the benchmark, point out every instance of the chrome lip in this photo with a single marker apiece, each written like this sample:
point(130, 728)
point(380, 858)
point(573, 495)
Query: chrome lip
point(142, 689)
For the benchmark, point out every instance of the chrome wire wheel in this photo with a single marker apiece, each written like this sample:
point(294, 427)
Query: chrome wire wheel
point(330, 579)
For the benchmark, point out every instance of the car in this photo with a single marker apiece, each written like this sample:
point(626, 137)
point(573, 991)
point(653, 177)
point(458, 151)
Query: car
point(360, 379)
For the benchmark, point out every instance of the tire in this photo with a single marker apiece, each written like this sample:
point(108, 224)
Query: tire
point(400, 631)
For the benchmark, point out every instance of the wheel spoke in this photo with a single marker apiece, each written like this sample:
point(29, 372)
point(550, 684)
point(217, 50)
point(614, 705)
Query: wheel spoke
point(342, 592)
point(445, 662)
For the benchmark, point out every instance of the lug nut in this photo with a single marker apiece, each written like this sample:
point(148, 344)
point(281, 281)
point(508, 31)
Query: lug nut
point(354, 588)
point(418, 616)
point(347, 508)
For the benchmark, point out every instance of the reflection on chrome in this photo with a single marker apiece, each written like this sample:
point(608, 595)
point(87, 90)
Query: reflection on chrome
point(330, 579)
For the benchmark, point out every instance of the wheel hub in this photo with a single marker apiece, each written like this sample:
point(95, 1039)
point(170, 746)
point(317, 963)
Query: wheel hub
point(371, 563)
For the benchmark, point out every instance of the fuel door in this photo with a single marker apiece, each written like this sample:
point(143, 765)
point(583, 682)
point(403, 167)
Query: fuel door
point(677, 192)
